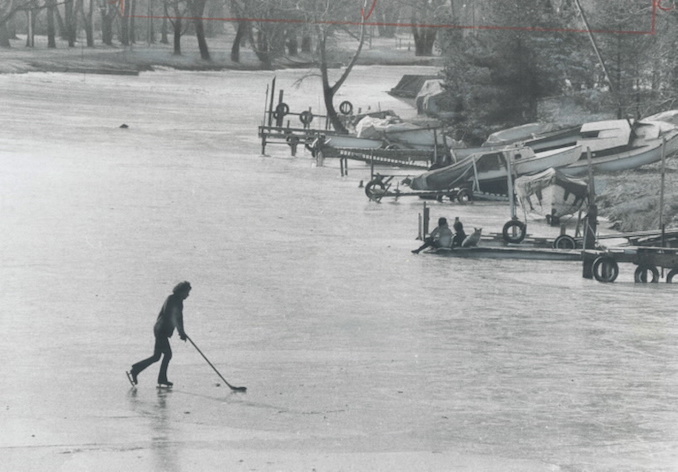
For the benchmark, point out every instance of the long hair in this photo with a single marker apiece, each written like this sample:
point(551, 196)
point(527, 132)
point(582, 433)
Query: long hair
point(182, 287)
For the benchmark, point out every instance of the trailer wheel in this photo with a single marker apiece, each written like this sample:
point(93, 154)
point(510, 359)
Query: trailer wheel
point(643, 272)
point(605, 269)
point(670, 275)
point(464, 196)
point(564, 241)
point(375, 189)
point(514, 231)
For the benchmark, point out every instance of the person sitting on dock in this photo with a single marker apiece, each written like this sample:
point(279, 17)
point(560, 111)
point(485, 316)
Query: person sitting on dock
point(441, 236)
point(459, 234)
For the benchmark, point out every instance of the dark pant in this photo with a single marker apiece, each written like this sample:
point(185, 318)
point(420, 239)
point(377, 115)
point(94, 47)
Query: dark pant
point(428, 242)
point(162, 348)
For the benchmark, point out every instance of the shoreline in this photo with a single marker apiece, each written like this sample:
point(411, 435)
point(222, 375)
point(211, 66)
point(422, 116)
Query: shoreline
point(144, 57)
point(627, 199)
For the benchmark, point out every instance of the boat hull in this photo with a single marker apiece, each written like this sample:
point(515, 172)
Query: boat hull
point(551, 193)
point(489, 169)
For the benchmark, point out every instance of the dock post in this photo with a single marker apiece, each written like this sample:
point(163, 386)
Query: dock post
point(425, 223)
point(372, 165)
point(270, 107)
point(590, 224)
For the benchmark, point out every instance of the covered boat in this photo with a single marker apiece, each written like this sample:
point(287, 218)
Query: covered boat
point(551, 193)
point(489, 170)
point(399, 134)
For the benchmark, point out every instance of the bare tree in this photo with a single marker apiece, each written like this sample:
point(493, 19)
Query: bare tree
point(197, 9)
point(175, 11)
point(329, 17)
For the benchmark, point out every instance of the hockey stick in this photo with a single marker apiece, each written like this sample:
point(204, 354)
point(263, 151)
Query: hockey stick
point(235, 389)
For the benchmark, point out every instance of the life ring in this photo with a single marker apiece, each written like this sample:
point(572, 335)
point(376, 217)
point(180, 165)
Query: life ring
point(375, 189)
point(464, 196)
point(509, 231)
point(605, 269)
point(306, 117)
point(670, 275)
point(346, 107)
point(564, 241)
point(281, 110)
point(641, 275)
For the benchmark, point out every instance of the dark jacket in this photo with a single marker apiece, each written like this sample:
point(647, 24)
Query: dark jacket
point(171, 316)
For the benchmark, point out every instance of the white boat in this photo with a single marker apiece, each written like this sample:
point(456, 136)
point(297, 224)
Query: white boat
point(551, 194)
point(535, 135)
point(670, 116)
point(617, 145)
point(397, 134)
point(488, 170)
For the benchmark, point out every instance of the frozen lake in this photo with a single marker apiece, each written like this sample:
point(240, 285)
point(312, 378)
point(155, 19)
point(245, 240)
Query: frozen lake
point(357, 354)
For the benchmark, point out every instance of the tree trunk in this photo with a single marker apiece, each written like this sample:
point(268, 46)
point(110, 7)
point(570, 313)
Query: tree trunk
point(60, 24)
point(164, 39)
point(306, 43)
point(177, 37)
point(132, 23)
point(51, 30)
point(197, 10)
point(87, 21)
point(124, 24)
point(239, 36)
point(329, 91)
point(70, 22)
point(30, 23)
point(292, 45)
point(107, 15)
point(424, 39)
point(4, 35)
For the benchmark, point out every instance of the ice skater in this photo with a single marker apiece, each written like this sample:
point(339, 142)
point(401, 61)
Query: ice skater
point(171, 316)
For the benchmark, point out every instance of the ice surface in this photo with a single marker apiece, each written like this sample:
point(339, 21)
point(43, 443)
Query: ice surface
point(357, 355)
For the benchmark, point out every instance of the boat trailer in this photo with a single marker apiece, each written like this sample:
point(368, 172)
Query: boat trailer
point(382, 186)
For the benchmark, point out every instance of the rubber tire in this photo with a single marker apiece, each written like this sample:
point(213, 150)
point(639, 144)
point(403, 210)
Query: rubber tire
point(670, 275)
point(306, 117)
point(282, 109)
point(346, 107)
point(511, 238)
point(605, 269)
point(464, 196)
point(370, 189)
point(640, 275)
point(564, 241)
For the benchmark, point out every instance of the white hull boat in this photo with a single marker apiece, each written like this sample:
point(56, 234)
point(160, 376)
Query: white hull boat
point(551, 194)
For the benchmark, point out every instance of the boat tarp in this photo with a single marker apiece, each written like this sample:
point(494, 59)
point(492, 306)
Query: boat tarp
point(410, 85)
point(447, 177)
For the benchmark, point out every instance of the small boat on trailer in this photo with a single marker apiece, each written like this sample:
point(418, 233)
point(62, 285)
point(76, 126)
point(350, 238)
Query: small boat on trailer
point(489, 170)
point(551, 194)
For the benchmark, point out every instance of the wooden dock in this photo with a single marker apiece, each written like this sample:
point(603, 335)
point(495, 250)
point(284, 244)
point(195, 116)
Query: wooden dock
point(604, 264)
point(512, 252)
